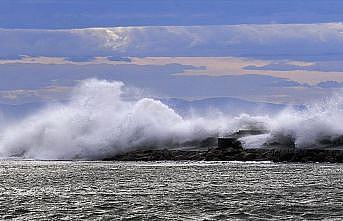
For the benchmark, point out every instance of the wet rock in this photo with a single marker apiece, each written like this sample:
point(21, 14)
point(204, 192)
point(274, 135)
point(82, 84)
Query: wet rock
point(230, 149)
point(229, 144)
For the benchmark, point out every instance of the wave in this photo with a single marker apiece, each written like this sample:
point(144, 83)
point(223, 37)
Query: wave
point(317, 126)
point(102, 119)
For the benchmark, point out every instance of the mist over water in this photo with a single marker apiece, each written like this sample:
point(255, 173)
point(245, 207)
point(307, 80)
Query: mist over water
point(102, 119)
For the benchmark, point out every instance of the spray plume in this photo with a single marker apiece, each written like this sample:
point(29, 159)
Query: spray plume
point(98, 122)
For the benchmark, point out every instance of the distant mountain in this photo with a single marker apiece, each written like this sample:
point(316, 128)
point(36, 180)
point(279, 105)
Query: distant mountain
point(227, 105)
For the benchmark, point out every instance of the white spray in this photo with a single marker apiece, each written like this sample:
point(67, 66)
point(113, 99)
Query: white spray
point(97, 122)
point(308, 128)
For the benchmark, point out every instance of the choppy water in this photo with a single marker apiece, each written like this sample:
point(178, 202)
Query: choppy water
point(169, 190)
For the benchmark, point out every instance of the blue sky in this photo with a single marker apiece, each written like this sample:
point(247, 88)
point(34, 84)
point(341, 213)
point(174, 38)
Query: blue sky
point(275, 51)
point(52, 14)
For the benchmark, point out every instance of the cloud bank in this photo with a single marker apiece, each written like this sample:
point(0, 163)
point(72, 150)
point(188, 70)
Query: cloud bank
point(272, 41)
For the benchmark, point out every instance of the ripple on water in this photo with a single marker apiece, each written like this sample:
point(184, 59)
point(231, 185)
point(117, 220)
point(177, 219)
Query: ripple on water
point(169, 190)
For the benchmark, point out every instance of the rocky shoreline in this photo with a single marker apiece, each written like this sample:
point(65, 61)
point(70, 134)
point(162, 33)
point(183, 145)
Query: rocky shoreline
point(230, 149)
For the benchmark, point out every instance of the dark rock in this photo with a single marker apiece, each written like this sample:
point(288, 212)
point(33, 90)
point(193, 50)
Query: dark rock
point(230, 144)
point(230, 149)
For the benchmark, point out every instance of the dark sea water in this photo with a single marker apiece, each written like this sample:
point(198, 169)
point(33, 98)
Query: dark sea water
point(60, 190)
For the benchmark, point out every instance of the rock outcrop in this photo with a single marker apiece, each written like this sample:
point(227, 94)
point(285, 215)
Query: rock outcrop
point(230, 149)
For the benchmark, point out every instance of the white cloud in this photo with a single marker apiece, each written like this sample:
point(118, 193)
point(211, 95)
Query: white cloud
point(300, 41)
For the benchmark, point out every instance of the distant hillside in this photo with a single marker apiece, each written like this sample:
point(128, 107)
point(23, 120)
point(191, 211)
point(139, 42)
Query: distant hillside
point(227, 105)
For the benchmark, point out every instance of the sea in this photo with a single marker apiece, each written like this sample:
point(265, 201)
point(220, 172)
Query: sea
point(96, 190)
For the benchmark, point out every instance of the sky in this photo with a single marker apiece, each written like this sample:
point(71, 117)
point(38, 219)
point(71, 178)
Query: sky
point(275, 51)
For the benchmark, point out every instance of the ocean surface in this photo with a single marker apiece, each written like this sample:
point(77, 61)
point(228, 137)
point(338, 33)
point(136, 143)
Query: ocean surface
point(64, 190)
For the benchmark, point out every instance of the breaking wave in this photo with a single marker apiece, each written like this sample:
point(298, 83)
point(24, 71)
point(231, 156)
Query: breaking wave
point(100, 121)
point(319, 125)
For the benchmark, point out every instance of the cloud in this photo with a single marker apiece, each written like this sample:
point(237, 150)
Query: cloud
point(27, 82)
point(272, 41)
point(222, 66)
point(34, 76)
point(330, 84)
point(180, 61)
point(323, 66)
point(298, 71)
point(45, 94)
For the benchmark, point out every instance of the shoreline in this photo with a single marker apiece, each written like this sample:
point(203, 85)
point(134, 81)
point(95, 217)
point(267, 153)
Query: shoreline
point(230, 149)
